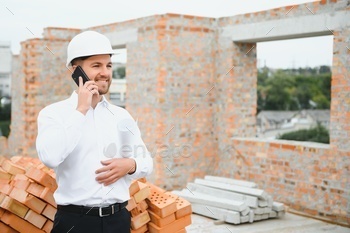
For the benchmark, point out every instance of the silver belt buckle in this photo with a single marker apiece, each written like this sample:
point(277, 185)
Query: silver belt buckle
point(104, 215)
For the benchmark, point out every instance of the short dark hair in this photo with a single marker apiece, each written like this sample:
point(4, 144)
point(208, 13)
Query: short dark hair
point(74, 61)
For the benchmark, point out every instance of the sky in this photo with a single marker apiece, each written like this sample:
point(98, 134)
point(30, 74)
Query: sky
point(22, 20)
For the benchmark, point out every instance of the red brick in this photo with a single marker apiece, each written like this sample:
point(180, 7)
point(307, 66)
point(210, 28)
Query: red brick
point(12, 168)
point(142, 206)
point(6, 188)
point(35, 189)
point(42, 178)
point(21, 184)
point(35, 219)
point(131, 204)
point(140, 220)
point(20, 177)
point(172, 227)
point(2, 197)
point(4, 174)
point(14, 206)
point(47, 195)
point(6, 229)
point(49, 212)
point(181, 231)
point(19, 224)
point(143, 193)
point(142, 229)
point(134, 188)
point(183, 207)
point(48, 226)
point(161, 222)
point(34, 203)
point(18, 194)
point(161, 204)
point(2, 211)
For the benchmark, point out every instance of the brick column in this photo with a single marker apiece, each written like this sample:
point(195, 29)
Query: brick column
point(236, 93)
point(169, 72)
point(340, 97)
point(39, 79)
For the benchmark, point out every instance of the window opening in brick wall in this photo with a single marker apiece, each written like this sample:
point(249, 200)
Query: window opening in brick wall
point(118, 86)
point(294, 89)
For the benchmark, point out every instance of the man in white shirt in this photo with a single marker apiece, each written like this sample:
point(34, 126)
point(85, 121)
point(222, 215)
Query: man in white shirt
point(94, 147)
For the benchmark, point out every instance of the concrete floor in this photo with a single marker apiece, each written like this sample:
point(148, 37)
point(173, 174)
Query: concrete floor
point(290, 223)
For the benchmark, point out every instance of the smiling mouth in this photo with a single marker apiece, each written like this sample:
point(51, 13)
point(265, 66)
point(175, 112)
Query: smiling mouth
point(102, 80)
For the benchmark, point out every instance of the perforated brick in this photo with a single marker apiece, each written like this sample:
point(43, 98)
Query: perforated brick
point(183, 207)
point(161, 204)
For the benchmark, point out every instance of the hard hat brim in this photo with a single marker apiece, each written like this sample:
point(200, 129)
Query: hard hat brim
point(90, 53)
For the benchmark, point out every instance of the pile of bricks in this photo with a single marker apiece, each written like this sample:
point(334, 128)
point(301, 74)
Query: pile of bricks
point(155, 210)
point(229, 200)
point(27, 203)
point(26, 195)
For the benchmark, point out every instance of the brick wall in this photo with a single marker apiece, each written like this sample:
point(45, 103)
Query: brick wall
point(193, 91)
point(340, 94)
point(170, 68)
point(309, 177)
point(39, 78)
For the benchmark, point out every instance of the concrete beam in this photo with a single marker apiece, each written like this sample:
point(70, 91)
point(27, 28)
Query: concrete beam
point(261, 194)
point(248, 200)
point(288, 28)
point(231, 181)
point(200, 198)
point(277, 206)
point(217, 213)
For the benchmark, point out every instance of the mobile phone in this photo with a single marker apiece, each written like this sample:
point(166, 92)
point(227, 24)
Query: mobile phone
point(79, 72)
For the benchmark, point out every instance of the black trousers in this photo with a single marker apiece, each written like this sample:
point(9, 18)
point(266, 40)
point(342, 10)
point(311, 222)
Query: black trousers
point(67, 222)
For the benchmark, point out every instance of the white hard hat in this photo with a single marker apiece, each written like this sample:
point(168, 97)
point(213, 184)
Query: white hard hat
point(88, 43)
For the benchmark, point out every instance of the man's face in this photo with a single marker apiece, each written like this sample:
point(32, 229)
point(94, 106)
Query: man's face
point(99, 69)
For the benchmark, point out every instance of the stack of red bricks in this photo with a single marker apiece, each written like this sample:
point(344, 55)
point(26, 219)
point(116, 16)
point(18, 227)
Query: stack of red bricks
point(27, 203)
point(26, 195)
point(156, 211)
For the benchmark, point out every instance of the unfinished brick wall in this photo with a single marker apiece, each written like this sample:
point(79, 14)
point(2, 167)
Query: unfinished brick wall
point(40, 78)
point(170, 69)
point(193, 90)
point(309, 177)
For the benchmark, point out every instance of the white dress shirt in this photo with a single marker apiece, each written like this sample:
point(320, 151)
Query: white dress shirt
point(74, 144)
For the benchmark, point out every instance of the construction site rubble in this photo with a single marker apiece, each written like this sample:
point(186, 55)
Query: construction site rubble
point(27, 203)
point(230, 200)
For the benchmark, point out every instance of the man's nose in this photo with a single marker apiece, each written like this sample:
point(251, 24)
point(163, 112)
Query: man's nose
point(104, 71)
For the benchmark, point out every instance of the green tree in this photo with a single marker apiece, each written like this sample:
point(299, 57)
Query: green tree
point(293, 89)
point(119, 73)
point(278, 93)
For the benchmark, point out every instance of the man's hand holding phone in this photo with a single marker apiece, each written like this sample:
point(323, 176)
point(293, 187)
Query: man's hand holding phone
point(86, 91)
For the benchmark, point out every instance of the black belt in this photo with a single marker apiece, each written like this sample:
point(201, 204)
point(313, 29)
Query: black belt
point(95, 211)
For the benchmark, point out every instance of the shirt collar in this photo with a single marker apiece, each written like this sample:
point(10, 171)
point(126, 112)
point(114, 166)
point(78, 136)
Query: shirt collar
point(73, 99)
